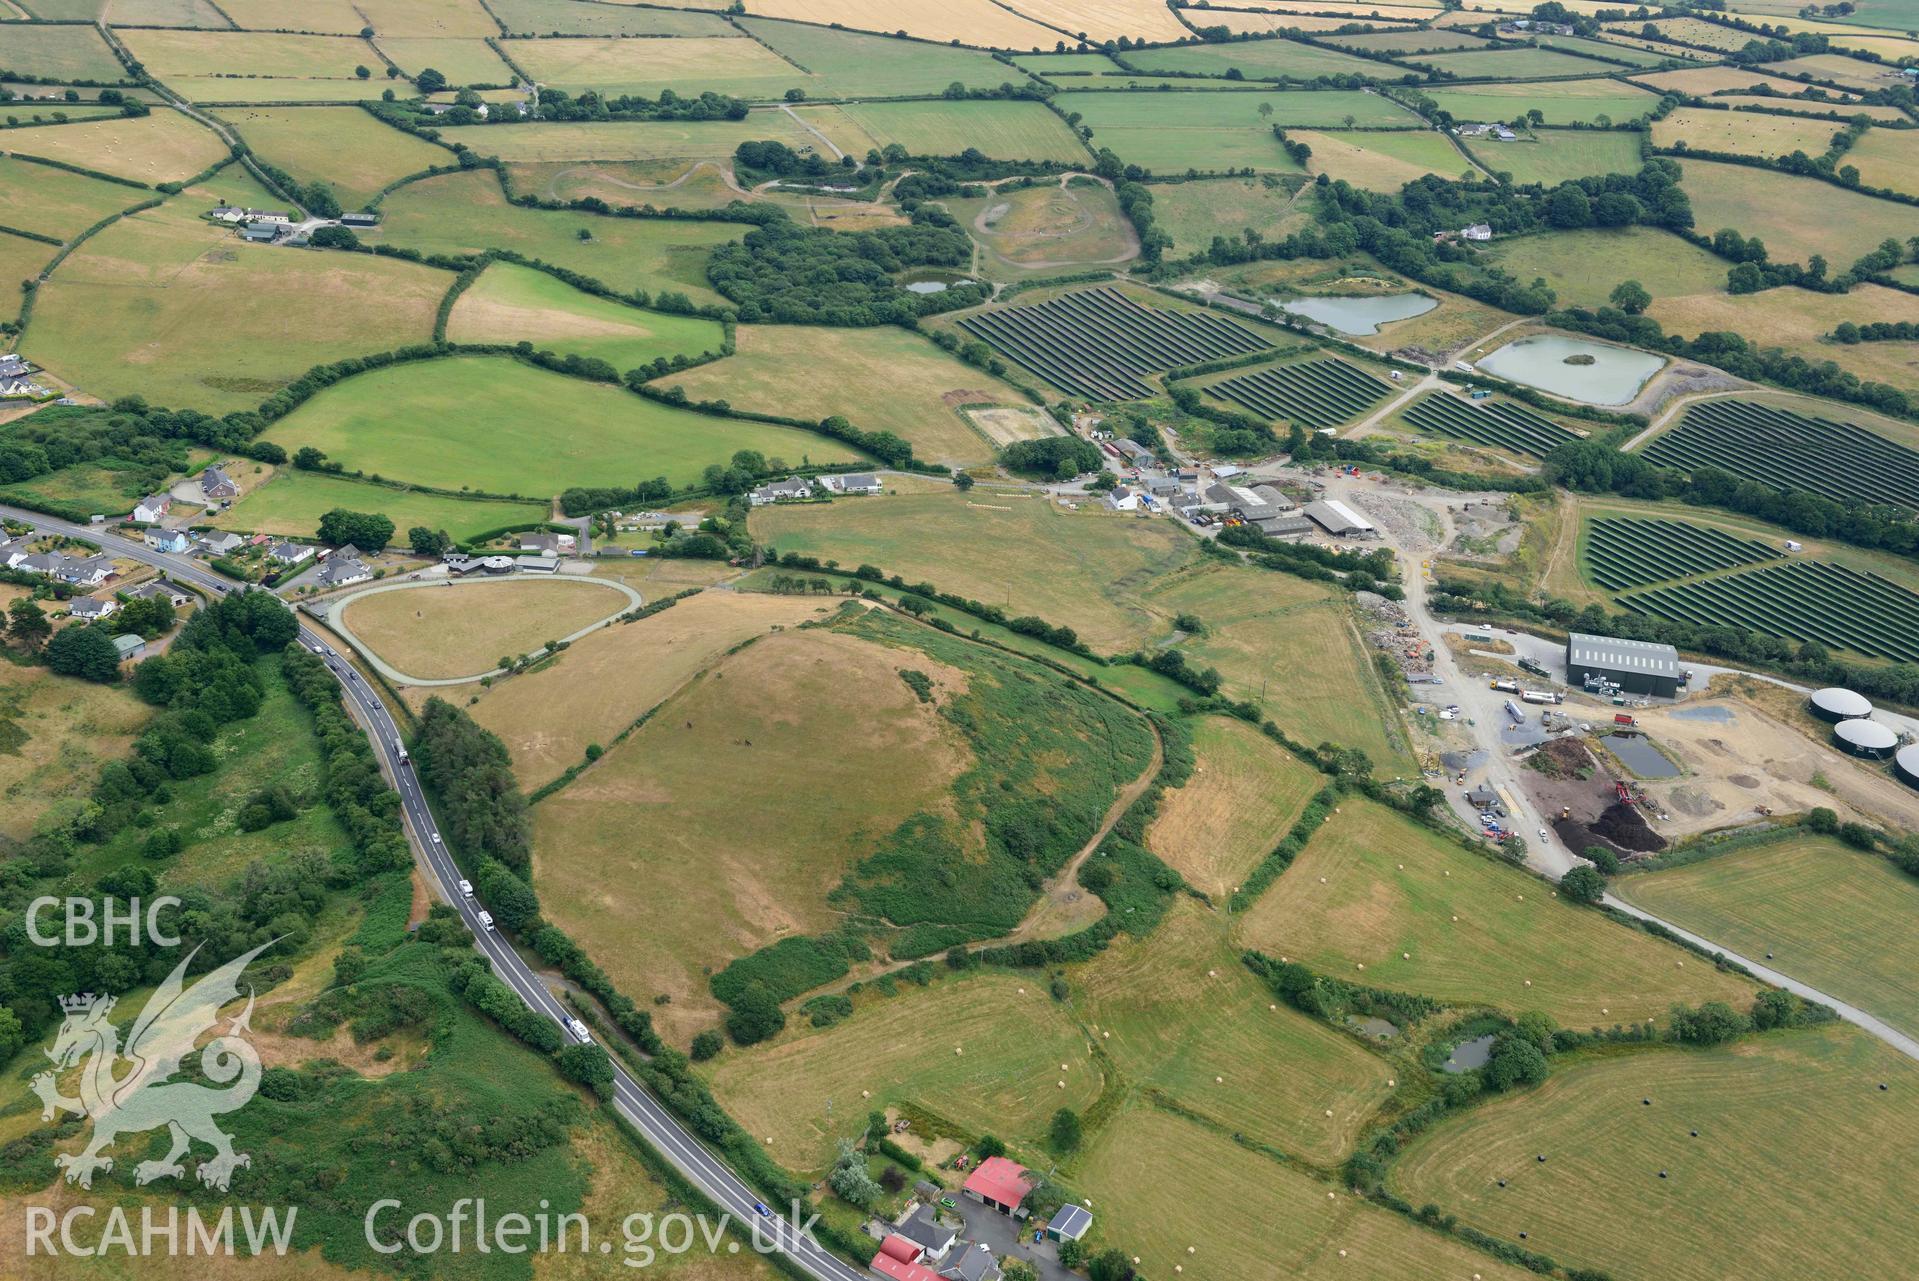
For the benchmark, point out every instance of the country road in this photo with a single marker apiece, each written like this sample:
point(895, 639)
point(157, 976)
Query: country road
point(772, 1231)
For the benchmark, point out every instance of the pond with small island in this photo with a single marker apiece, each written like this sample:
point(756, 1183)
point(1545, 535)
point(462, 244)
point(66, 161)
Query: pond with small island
point(1589, 372)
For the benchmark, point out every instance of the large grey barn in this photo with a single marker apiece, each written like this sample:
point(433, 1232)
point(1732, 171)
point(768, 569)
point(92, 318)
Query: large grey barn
point(1638, 667)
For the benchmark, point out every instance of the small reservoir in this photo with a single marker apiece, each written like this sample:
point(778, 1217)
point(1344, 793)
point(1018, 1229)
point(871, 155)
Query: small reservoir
point(1640, 756)
point(1468, 1055)
point(1590, 372)
point(1360, 314)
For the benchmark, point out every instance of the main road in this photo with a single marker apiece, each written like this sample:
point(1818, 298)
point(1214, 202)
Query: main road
point(705, 1171)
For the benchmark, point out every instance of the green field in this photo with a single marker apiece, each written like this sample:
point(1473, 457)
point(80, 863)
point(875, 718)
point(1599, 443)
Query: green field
point(1794, 1175)
point(60, 53)
point(1260, 60)
point(344, 147)
point(1174, 132)
point(1192, 213)
point(1826, 915)
point(879, 379)
point(1084, 569)
point(1041, 64)
point(1289, 646)
point(467, 212)
point(53, 202)
point(619, 140)
point(1140, 1171)
point(1886, 158)
point(463, 60)
point(20, 259)
point(293, 502)
point(1385, 912)
point(1179, 1014)
point(250, 55)
point(1796, 217)
point(151, 307)
point(1563, 102)
point(162, 147)
point(567, 17)
point(510, 304)
point(1583, 267)
point(854, 64)
point(1003, 130)
point(1553, 156)
point(1508, 64)
point(219, 90)
point(490, 423)
point(1744, 133)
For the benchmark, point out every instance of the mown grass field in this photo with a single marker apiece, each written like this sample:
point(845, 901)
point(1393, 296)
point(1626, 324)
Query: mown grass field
point(1553, 156)
point(53, 202)
point(493, 424)
point(879, 379)
point(62, 53)
point(854, 64)
point(1141, 1171)
point(1288, 645)
point(1382, 159)
point(1795, 1174)
point(1827, 915)
point(606, 681)
point(510, 304)
point(1508, 64)
point(1011, 1038)
point(1105, 19)
point(213, 91)
point(1086, 569)
point(1192, 213)
point(1583, 267)
point(1744, 133)
point(323, 17)
point(1886, 158)
point(162, 147)
point(439, 632)
point(1245, 793)
point(467, 212)
point(151, 307)
point(1798, 320)
point(1796, 217)
point(55, 733)
point(249, 54)
point(677, 815)
point(542, 17)
point(1001, 129)
point(624, 140)
point(292, 502)
point(1390, 894)
point(463, 60)
point(1562, 101)
point(1174, 132)
point(741, 68)
point(977, 22)
point(1178, 1013)
point(1258, 60)
point(20, 259)
point(344, 147)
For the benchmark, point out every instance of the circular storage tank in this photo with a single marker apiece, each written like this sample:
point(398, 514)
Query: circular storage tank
point(1840, 705)
point(1865, 738)
point(1905, 763)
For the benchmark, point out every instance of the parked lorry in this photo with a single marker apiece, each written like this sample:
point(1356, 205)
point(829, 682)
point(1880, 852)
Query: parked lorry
point(1512, 710)
point(1505, 686)
point(1621, 718)
point(1541, 696)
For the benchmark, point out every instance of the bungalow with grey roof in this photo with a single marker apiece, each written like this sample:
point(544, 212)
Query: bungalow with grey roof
point(84, 571)
point(289, 554)
point(343, 568)
point(864, 482)
point(90, 608)
point(13, 551)
point(160, 589)
point(924, 1230)
point(971, 1262)
point(221, 544)
point(43, 563)
point(781, 491)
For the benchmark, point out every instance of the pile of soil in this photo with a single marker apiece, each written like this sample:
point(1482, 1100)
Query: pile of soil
point(1563, 758)
point(1625, 827)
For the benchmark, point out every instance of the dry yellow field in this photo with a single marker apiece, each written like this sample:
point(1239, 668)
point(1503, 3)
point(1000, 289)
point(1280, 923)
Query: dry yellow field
point(630, 66)
point(344, 147)
point(982, 1052)
point(1744, 133)
point(1886, 158)
point(1706, 81)
point(1180, 1014)
point(681, 826)
point(1382, 159)
point(1797, 320)
point(1169, 1185)
point(437, 633)
point(976, 22)
point(428, 17)
point(1244, 793)
point(326, 17)
point(55, 732)
point(1102, 20)
point(162, 147)
point(606, 681)
point(1378, 899)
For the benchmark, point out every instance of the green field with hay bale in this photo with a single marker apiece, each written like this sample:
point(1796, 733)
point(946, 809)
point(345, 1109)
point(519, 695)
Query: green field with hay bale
point(1796, 1172)
point(1377, 899)
point(1823, 913)
point(464, 213)
point(165, 146)
point(1552, 156)
point(54, 202)
point(493, 424)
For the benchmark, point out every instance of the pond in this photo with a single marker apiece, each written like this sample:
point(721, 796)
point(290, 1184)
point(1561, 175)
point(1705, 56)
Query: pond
point(1640, 756)
point(1606, 376)
point(1361, 314)
point(1468, 1055)
point(1378, 1029)
point(927, 287)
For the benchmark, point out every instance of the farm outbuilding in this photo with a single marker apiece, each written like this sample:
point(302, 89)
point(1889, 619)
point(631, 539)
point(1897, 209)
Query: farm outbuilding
point(1905, 763)
point(1837, 705)
point(1337, 519)
point(1637, 667)
point(1869, 739)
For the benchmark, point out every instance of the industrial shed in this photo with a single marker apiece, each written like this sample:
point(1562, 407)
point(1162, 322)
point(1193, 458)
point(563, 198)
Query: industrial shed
point(1837, 705)
point(1638, 667)
point(1339, 520)
point(1869, 739)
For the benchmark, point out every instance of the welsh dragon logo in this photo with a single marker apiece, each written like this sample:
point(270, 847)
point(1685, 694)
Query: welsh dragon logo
point(144, 1098)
